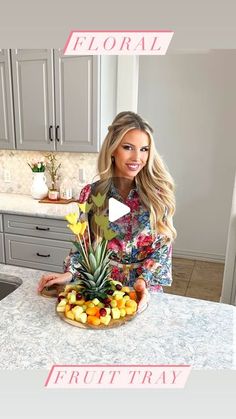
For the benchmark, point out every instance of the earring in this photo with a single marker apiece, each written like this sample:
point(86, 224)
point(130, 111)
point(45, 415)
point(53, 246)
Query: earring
point(112, 159)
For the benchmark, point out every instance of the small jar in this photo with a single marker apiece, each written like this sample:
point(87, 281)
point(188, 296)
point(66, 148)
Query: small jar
point(53, 195)
point(66, 191)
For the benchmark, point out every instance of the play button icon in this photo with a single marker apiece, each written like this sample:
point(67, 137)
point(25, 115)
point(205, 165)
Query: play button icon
point(116, 209)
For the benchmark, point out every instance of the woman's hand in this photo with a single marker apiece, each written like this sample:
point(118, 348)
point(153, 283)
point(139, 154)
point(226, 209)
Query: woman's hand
point(142, 293)
point(53, 278)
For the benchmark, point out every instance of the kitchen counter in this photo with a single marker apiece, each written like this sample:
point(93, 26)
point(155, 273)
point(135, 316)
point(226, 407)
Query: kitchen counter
point(26, 205)
point(173, 330)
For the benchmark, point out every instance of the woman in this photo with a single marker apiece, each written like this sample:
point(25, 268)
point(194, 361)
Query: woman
point(132, 172)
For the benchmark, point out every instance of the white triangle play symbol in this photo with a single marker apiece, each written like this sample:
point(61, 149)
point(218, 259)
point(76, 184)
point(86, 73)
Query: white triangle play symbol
point(116, 209)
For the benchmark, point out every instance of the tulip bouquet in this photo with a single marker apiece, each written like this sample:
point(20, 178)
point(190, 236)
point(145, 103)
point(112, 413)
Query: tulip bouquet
point(37, 166)
point(95, 300)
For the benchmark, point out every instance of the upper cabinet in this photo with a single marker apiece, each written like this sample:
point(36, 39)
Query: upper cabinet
point(56, 101)
point(7, 135)
point(77, 99)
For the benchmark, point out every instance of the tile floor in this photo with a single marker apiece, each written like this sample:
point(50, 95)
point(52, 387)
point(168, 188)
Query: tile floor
point(196, 279)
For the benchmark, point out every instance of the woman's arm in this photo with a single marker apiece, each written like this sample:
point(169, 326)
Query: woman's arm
point(157, 268)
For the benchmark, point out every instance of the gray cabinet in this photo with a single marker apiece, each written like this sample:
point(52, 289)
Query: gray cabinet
point(7, 134)
point(33, 98)
point(56, 101)
point(77, 97)
point(35, 242)
point(2, 255)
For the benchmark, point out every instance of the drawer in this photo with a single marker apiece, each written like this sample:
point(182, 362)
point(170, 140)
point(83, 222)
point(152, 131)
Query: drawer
point(1, 223)
point(37, 253)
point(37, 227)
point(2, 256)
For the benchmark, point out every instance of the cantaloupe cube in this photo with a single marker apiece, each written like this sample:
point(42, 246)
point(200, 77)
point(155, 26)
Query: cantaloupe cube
point(91, 311)
point(121, 303)
point(95, 321)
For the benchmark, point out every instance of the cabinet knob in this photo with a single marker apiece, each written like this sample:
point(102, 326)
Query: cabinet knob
point(50, 133)
point(57, 133)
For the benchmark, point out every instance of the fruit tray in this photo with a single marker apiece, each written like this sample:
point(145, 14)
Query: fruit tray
point(113, 323)
point(117, 308)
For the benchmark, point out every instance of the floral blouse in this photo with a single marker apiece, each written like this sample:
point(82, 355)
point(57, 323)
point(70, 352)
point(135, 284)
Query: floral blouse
point(135, 252)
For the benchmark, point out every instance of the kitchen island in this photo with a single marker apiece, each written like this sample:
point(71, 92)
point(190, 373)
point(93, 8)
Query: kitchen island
point(173, 330)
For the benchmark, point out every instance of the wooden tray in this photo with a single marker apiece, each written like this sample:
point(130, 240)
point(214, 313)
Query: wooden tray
point(113, 323)
point(53, 291)
point(57, 201)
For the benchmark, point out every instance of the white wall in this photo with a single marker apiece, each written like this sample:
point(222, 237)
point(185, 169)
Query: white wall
point(190, 100)
point(228, 294)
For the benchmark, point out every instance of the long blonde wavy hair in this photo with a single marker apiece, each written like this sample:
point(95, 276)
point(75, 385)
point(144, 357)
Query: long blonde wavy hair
point(155, 184)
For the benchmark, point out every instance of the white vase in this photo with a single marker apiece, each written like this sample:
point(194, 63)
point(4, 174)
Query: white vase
point(39, 189)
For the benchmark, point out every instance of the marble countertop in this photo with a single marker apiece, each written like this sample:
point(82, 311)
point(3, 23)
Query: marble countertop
point(173, 330)
point(25, 205)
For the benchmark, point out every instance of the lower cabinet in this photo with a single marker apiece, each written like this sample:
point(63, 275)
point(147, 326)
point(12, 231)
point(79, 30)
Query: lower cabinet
point(2, 256)
point(32, 252)
point(35, 242)
point(2, 253)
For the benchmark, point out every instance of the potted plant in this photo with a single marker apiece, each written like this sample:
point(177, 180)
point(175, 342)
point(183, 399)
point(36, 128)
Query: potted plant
point(39, 189)
point(52, 167)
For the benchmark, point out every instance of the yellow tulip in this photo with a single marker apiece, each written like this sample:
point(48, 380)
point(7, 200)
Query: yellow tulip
point(75, 228)
point(99, 199)
point(72, 217)
point(85, 207)
point(83, 227)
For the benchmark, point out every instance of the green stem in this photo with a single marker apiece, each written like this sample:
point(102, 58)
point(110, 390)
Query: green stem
point(86, 259)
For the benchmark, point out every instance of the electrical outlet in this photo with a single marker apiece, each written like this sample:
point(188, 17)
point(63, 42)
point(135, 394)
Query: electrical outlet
point(81, 175)
point(6, 175)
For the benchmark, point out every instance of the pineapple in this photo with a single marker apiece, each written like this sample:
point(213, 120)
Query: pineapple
point(94, 270)
point(94, 277)
point(95, 299)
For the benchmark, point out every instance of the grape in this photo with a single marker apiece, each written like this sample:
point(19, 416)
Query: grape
point(79, 296)
point(102, 312)
point(110, 292)
point(118, 287)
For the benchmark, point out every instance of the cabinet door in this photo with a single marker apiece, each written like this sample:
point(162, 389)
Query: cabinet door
point(7, 134)
point(37, 253)
point(77, 92)
point(33, 87)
